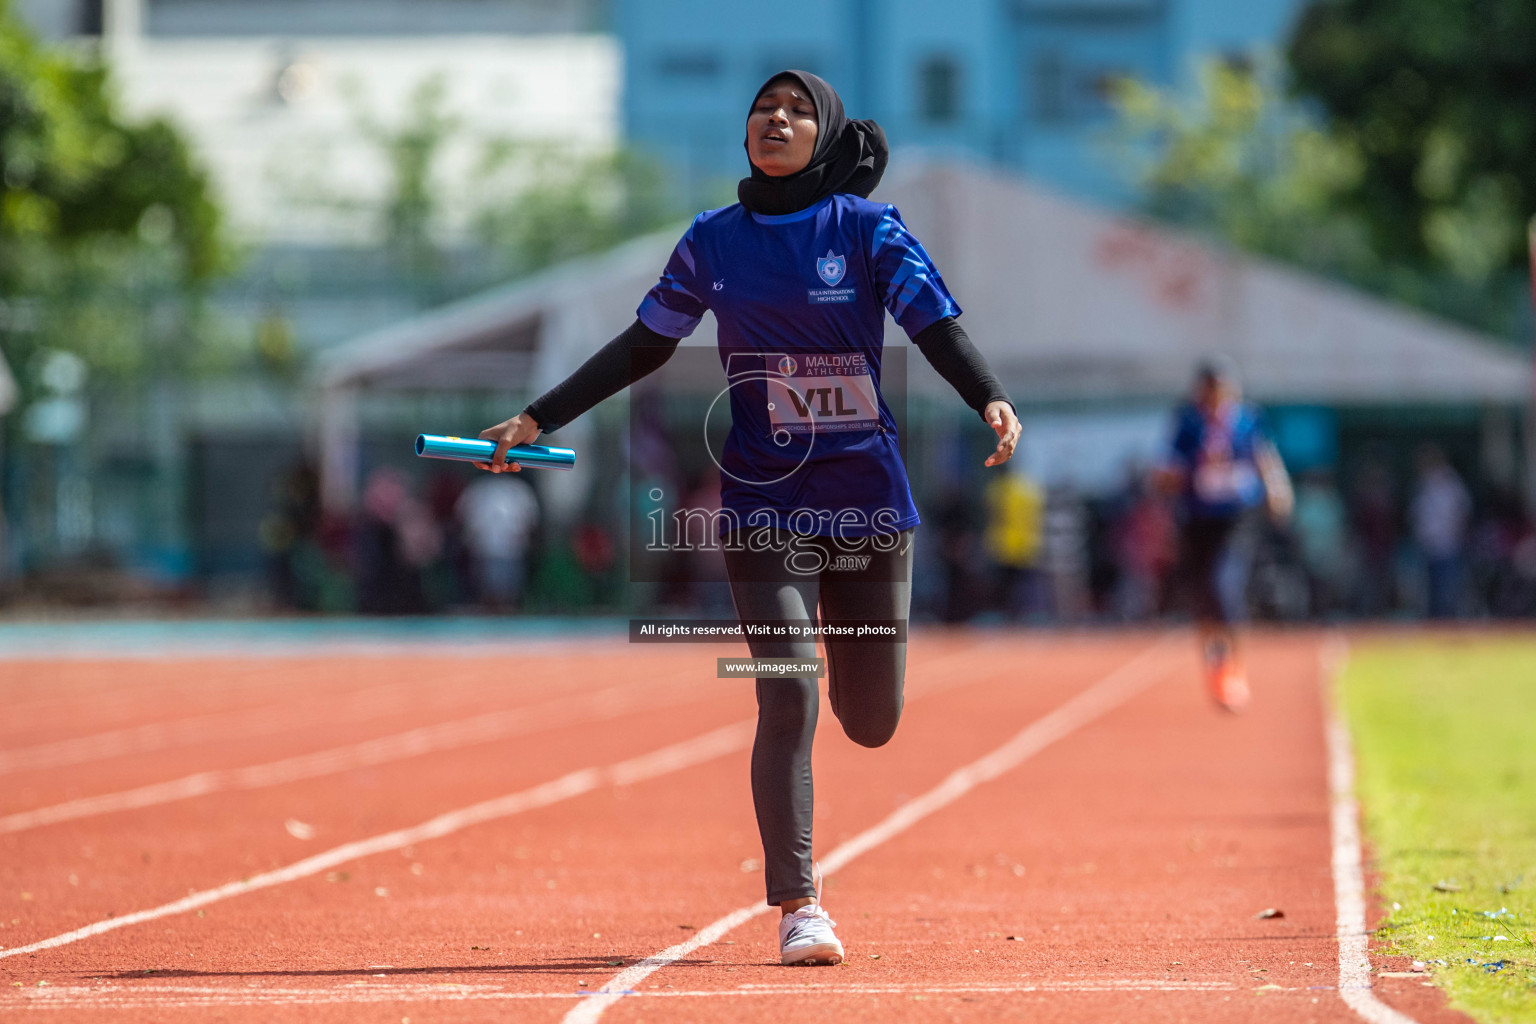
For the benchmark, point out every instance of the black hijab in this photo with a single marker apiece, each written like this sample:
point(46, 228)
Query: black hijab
point(850, 156)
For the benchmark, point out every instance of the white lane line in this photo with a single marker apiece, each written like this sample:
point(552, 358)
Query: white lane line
point(141, 739)
point(675, 757)
point(609, 703)
point(671, 758)
point(604, 704)
point(1105, 695)
point(356, 707)
point(1348, 874)
point(277, 716)
point(64, 997)
point(194, 649)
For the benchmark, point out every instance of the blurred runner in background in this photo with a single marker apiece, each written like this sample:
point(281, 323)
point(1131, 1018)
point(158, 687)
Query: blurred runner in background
point(1221, 467)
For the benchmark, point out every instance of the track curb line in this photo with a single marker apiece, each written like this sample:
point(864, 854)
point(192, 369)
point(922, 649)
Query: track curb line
point(1111, 691)
point(1348, 870)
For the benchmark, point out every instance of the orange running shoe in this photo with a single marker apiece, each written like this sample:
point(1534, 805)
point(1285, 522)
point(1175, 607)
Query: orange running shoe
point(1229, 684)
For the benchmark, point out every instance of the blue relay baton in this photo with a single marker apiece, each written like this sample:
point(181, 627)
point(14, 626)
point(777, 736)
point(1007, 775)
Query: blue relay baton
point(465, 449)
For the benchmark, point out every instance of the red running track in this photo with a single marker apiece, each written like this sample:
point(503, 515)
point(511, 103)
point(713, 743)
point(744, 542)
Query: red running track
point(1113, 872)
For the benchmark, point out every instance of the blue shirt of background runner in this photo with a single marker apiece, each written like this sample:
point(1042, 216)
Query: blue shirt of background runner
point(816, 281)
point(1218, 458)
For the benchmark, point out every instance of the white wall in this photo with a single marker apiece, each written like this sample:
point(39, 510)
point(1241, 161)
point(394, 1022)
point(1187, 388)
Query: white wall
point(278, 121)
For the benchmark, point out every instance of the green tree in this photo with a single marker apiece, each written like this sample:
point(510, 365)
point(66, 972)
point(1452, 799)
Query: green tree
point(526, 203)
point(108, 227)
point(412, 203)
point(1239, 159)
point(1438, 97)
point(570, 204)
point(1236, 161)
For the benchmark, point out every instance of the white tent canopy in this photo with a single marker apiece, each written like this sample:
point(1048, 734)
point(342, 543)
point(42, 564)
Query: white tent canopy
point(1066, 301)
point(1070, 301)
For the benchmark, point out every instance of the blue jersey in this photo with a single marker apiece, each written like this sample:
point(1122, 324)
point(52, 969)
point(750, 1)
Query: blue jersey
point(800, 300)
point(1218, 457)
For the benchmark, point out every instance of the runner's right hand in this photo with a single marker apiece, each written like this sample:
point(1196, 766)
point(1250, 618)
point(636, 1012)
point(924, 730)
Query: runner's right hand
point(520, 429)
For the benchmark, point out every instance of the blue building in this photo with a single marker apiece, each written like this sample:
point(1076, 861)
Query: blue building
point(1021, 83)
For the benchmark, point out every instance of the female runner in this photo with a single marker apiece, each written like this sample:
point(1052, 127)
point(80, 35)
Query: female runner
point(1221, 466)
point(799, 275)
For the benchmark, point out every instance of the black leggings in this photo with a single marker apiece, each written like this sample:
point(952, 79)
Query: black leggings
point(864, 678)
point(1203, 545)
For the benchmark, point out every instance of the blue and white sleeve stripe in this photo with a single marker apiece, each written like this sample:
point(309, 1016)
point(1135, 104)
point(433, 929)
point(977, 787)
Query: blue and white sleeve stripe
point(673, 306)
point(914, 292)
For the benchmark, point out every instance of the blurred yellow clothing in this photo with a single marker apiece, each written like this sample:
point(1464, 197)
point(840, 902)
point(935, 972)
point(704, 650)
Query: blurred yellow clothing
point(1015, 520)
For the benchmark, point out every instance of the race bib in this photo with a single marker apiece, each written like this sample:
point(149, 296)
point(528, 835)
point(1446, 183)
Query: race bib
point(822, 392)
point(1224, 481)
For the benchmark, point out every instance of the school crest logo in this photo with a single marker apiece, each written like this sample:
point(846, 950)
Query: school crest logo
point(831, 268)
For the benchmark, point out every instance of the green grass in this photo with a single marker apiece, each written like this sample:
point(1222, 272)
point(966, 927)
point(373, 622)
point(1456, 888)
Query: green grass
point(1445, 737)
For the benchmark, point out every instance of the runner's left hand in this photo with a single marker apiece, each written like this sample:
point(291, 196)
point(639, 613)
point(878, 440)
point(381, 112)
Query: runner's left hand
point(1000, 417)
point(1280, 505)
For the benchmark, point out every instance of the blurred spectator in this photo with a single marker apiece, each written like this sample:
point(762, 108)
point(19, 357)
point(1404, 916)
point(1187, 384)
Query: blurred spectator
point(396, 538)
point(656, 481)
point(1065, 552)
point(652, 454)
point(1375, 527)
point(7, 569)
point(1274, 577)
point(960, 553)
point(708, 591)
point(592, 543)
point(1322, 538)
point(498, 513)
point(1519, 585)
point(450, 578)
point(1439, 513)
point(289, 536)
point(1496, 564)
point(1014, 539)
point(1144, 547)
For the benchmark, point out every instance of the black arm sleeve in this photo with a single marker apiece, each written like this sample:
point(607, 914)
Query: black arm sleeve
point(945, 344)
point(637, 351)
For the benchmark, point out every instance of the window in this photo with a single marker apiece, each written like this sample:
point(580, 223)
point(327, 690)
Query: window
point(695, 64)
point(789, 61)
point(1066, 91)
point(1100, 87)
point(1090, 11)
point(938, 87)
point(90, 18)
point(1049, 87)
point(1239, 61)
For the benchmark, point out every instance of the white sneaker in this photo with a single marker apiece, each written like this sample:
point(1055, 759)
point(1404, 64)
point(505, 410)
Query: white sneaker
point(806, 936)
